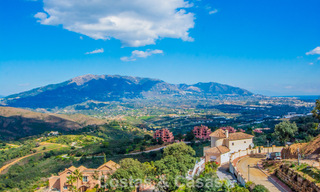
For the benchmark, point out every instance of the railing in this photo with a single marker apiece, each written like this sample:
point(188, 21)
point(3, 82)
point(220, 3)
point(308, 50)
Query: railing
point(197, 169)
point(242, 153)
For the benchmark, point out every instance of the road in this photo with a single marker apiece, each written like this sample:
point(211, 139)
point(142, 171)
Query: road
point(257, 176)
point(156, 149)
point(224, 173)
point(148, 151)
point(20, 158)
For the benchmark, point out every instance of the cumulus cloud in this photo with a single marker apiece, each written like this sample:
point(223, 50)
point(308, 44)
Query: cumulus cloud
point(315, 51)
point(213, 11)
point(135, 23)
point(141, 54)
point(95, 51)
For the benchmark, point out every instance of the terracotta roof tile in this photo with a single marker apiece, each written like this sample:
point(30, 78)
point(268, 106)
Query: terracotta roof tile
point(220, 149)
point(239, 136)
point(218, 133)
point(112, 165)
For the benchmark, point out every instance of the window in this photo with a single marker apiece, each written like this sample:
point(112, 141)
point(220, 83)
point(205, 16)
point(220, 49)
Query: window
point(65, 187)
point(69, 173)
point(85, 179)
point(232, 144)
point(245, 141)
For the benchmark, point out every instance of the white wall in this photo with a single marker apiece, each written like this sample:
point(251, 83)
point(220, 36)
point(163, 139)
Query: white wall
point(225, 158)
point(215, 142)
point(236, 145)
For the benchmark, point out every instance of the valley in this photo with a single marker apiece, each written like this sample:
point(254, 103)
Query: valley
point(92, 130)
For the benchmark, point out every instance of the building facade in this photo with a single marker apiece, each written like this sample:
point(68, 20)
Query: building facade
point(202, 132)
point(223, 144)
point(165, 135)
point(90, 177)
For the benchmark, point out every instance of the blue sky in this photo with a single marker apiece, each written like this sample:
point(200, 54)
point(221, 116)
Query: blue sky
point(269, 47)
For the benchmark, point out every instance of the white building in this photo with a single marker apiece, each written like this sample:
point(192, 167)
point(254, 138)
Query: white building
point(223, 144)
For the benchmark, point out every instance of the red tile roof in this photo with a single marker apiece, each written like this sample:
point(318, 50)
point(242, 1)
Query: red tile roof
point(220, 150)
point(218, 133)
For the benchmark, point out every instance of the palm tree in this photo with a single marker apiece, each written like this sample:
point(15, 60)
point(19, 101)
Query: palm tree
point(71, 180)
point(78, 175)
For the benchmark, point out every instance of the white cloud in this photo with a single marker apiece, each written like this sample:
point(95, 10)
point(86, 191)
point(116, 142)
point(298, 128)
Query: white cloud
point(135, 23)
point(311, 63)
point(315, 51)
point(95, 51)
point(41, 16)
point(81, 38)
point(318, 58)
point(141, 54)
point(213, 11)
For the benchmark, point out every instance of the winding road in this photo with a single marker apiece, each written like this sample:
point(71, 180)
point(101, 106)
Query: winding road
point(2, 169)
point(258, 176)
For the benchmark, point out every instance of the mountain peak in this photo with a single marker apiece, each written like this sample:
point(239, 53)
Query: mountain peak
point(80, 80)
point(114, 88)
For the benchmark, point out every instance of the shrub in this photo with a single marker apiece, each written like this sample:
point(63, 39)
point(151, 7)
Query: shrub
point(260, 188)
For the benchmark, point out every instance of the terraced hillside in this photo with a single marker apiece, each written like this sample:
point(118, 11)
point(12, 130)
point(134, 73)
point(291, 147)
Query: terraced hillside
point(15, 122)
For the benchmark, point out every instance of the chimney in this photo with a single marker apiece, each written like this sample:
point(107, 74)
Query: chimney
point(227, 133)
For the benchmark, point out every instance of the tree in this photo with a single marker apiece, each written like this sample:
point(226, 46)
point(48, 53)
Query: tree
point(137, 140)
point(130, 169)
point(225, 186)
point(177, 160)
point(238, 188)
point(285, 130)
point(190, 136)
point(78, 175)
point(160, 141)
point(105, 144)
point(104, 158)
point(260, 188)
point(316, 110)
point(142, 148)
point(147, 137)
point(71, 179)
point(179, 136)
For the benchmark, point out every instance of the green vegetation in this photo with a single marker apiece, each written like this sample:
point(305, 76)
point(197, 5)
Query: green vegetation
point(27, 174)
point(316, 110)
point(176, 161)
point(95, 144)
point(78, 140)
point(260, 188)
point(25, 149)
point(284, 131)
point(312, 173)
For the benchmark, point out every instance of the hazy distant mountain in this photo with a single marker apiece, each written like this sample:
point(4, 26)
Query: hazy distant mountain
point(113, 88)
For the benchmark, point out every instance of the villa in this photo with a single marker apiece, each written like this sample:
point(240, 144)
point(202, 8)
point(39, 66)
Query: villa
point(90, 177)
point(223, 144)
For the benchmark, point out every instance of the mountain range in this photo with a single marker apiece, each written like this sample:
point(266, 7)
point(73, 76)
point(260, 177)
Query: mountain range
point(114, 88)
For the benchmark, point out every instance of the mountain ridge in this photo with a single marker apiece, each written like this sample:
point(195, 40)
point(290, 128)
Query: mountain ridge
point(114, 88)
point(16, 122)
